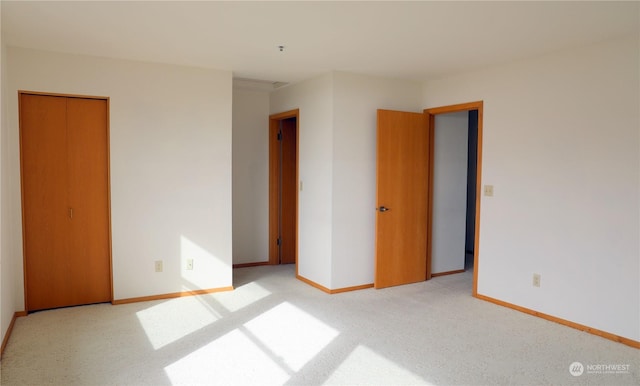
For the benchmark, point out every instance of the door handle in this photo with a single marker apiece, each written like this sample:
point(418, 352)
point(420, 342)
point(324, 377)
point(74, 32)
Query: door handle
point(383, 209)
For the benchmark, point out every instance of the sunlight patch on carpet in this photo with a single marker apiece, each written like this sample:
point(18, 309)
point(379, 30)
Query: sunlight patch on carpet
point(242, 296)
point(291, 335)
point(166, 323)
point(365, 364)
point(231, 359)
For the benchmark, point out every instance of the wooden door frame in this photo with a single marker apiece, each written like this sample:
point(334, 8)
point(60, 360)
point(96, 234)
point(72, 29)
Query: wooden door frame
point(108, 161)
point(431, 114)
point(274, 126)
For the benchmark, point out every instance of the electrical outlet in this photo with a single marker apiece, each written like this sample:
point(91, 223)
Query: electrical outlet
point(536, 280)
point(158, 265)
point(189, 264)
point(488, 190)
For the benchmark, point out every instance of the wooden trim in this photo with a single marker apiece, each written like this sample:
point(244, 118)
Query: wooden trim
point(431, 128)
point(476, 237)
point(577, 326)
point(454, 108)
point(447, 273)
point(313, 284)
point(245, 265)
point(432, 112)
point(284, 115)
point(297, 111)
point(171, 295)
point(24, 239)
point(274, 120)
point(108, 100)
point(53, 94)
point(10, 329)
point(348, 289)
point(333, 291)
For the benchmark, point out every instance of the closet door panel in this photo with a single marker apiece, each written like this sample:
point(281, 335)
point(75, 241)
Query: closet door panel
point(45, 199)
point(87, 137)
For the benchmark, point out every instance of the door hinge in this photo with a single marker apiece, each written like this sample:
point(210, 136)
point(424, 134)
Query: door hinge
point(279, 135)
point(278, 241)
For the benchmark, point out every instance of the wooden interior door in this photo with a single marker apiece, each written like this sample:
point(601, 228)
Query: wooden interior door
point(402, 198)
point(283, 187)
point(288, 191)
point(64, 160)
point(45, 210)
point(88, 158)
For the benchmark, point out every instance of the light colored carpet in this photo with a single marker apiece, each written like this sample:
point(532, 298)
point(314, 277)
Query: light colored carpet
point(274, 329)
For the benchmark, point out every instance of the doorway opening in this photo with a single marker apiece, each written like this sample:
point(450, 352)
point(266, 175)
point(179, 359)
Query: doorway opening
point(283, 187)
point(472, 184)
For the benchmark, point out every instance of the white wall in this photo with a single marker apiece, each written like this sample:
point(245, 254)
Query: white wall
point(11, 288)
point(449, 221)
point(170, 130)
point(560, 146)
point(250, 176)
point(338, 169)
point(356, 98)
point(314, 99)
point(7, 276)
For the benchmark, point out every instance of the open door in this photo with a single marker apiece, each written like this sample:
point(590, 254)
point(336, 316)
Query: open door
point(283, 187)
point(288, 190)
point(402, 198)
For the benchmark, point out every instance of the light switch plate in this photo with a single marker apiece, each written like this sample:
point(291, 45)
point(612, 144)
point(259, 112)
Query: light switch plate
point(488, 190)
point(536, 280)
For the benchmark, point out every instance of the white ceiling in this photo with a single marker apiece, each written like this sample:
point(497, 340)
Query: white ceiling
point(410, 40)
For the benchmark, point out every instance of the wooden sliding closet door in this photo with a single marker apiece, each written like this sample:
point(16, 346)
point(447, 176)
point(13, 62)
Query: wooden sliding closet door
point(64, 154)
point(88, 196)
point(43, 122)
